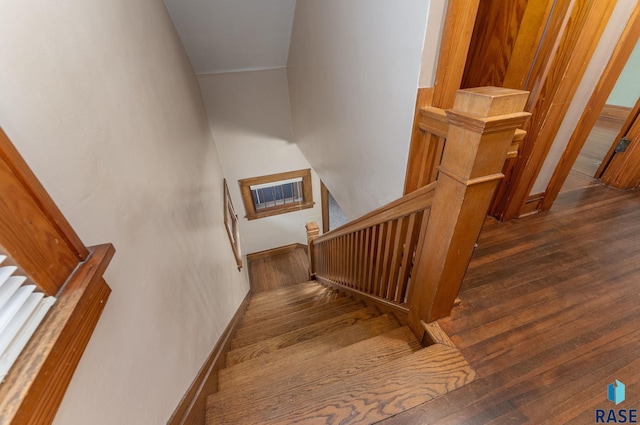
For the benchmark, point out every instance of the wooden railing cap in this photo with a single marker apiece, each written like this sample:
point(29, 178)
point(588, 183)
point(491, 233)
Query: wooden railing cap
point(490, 101)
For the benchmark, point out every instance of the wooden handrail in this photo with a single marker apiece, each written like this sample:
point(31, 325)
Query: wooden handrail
point(413, 252)
point(416, 201)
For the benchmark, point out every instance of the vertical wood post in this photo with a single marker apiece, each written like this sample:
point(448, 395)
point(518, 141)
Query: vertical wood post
point(482, 124)
point(313, 231)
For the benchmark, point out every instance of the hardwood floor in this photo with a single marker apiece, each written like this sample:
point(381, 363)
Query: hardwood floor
point(550, 316)
point(594, 150)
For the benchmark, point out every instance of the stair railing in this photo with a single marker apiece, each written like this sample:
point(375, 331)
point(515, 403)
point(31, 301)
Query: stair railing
point(411, 255)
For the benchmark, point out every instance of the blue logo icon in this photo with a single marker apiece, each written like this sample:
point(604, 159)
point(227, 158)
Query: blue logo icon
point(615, 392)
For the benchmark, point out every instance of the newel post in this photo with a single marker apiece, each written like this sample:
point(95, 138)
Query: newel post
point(482, 123)
point(313, 231)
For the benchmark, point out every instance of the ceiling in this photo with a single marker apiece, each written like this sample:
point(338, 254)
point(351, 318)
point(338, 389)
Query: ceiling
point(234, 35)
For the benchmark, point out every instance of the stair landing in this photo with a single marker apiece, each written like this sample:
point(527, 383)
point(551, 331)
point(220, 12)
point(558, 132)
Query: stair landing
point(343, 363)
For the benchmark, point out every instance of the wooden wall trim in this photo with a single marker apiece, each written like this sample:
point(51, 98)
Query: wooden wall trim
point(192, 407)
point(35, 385)
point(267, 253)
point(460, 19)
point(618, 60)
point(324, 201)
point(424, 148)
point(33, 231)
point(573, 52)
point(10, 155)
point(40, 241)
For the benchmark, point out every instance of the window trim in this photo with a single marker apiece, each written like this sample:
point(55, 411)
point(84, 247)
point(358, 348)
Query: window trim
point(247, 197)
point(231, 224)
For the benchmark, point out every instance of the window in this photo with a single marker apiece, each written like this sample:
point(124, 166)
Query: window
point(276, 193)
point(231, 223)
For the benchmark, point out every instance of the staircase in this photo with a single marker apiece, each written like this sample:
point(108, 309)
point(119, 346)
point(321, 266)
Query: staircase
point(310, 354)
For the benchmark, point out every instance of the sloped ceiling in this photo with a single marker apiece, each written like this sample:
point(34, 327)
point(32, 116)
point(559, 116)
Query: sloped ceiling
point(234, 35)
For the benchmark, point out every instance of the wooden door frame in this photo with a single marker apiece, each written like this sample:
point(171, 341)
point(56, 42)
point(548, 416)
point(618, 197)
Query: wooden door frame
point(564, 61)
point(324, 202)
point(632, 116)
point(585, 24)
point(618, 60)
point(460, 18)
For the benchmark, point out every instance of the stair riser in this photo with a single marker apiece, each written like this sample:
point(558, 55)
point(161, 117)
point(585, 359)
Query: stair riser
point(310, 349)
point(247, 338)
point(290, 307)
point(333, 367)
point(296, 337)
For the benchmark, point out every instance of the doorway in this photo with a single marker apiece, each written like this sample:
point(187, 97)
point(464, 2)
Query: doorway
point(615, 123)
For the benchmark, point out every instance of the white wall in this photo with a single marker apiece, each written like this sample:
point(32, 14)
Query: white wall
point(601, 56)
point(353, 75)
point(251, 122)
point(101, 100)
point(627, 88)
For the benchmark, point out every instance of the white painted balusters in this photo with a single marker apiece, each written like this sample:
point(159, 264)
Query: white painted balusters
point(22, 308)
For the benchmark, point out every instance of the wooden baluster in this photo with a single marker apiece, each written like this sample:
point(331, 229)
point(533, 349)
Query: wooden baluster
point(401, 235)
point(482, 124)
point(313, 231)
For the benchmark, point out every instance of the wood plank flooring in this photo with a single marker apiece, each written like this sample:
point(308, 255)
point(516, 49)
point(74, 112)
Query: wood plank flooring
point(591, 155)
point(550, 316)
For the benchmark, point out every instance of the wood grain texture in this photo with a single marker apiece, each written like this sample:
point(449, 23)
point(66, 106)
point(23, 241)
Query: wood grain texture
point(313, 348)
point(493, 42)
point(623, 172)
point(294, 304)
point(317, 328)
point(550, 315)
point(482, 127)
point(40, 241)
point(333, 367)
point(456, 38)
point(35, 385)
point(555, 86)
point(589, 117)
point(247, 197)
point(366, 397)
point(33, 231)
point(266, 329)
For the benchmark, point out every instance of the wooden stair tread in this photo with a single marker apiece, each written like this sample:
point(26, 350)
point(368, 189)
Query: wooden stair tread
point(366, 397)
point(253, 336)
point(292, 316)
point(335, 366)
point(263, 311)
point(312, 348)
point(334, 320)
point(274, 299)
point(290, 309)
point(285, 290)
